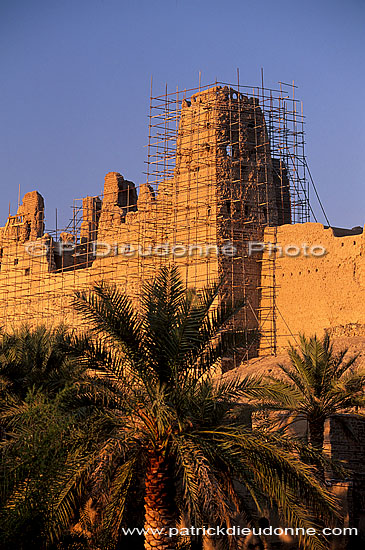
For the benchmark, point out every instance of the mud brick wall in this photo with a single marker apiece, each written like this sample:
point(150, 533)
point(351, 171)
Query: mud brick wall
point(314, 294)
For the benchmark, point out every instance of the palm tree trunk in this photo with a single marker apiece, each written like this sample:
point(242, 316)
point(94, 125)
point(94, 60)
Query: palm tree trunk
point(316, 438)
point(316, 433)
point(159, 508)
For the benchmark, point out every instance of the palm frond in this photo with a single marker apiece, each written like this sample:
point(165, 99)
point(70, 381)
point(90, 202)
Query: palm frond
point(111, 315)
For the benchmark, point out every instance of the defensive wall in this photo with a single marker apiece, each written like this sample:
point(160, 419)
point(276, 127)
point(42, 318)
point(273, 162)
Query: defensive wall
point(323, 290)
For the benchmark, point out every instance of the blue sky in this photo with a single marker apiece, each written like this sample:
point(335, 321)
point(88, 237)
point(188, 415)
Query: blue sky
point(76, 81)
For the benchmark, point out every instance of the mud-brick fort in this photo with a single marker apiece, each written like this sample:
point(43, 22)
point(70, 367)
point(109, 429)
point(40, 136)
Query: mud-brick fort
point(226, 168)
point(226, 198)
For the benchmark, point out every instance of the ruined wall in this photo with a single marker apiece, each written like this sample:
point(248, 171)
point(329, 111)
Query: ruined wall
point(222, 178)
point(37, 286)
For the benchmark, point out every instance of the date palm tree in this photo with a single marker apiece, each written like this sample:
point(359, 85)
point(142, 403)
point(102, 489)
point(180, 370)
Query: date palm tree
point(38, 367)
point(320, 383)
point(172, 431)
point(36, 358)
point(150, 433)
